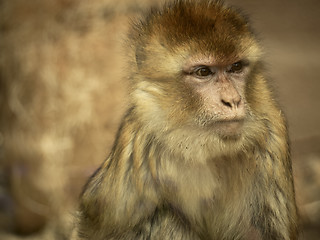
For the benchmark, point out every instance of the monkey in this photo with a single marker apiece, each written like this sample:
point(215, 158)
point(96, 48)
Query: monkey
point(203, 149)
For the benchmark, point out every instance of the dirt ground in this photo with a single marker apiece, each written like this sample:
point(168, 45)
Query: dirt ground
point(62, 95)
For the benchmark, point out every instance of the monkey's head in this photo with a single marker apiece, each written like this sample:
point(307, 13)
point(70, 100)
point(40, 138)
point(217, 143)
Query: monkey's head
point(194, 66)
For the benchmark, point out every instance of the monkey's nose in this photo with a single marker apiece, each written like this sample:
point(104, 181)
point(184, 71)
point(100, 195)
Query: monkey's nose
point(231, 101)
point(230, 104)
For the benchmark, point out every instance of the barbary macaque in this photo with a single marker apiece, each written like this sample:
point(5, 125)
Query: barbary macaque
point(202, 152)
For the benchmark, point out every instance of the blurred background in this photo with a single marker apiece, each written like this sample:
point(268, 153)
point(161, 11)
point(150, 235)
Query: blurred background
point(63, 92)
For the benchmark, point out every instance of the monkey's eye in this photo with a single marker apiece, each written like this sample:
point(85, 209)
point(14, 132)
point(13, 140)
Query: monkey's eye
point(203, 71)
point(235, 67)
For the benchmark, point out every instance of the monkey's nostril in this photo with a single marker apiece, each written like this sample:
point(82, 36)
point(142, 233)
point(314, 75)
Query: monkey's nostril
point(228, 104)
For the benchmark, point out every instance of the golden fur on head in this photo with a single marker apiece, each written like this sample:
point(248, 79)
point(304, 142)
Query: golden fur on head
point(203, 27)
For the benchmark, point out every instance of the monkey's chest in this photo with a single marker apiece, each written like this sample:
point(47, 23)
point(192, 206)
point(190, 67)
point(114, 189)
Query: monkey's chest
point(213, 220)
point(226, 216)
point(215, 210)
point(229, 212)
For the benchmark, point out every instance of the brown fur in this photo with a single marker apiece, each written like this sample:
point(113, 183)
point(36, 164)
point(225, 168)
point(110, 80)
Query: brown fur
point(170, 175)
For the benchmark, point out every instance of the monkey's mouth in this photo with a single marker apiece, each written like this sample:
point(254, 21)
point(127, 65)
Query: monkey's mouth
point(232, 127)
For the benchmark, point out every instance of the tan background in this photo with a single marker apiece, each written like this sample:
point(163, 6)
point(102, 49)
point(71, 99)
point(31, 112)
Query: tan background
point(62, 95)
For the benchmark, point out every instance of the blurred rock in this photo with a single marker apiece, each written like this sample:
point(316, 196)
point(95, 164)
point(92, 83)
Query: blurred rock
point(61, 98)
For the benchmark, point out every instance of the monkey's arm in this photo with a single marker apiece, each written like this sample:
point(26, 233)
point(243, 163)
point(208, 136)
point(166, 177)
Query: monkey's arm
point(122, 192)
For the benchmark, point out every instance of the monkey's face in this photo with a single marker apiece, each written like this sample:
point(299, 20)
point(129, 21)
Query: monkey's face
point(198, 90)
point(219, 93)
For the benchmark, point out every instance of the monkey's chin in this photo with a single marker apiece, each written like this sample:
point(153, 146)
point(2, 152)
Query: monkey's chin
point(229, 129)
